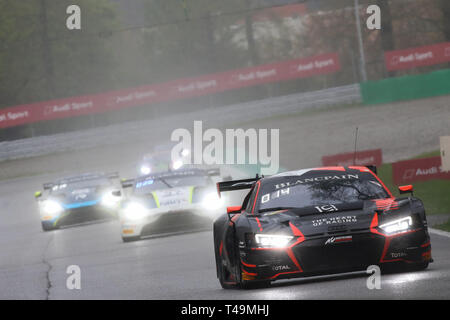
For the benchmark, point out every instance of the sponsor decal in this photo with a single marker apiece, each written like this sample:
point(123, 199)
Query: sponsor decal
point(417, 57)
point(334, 220)
point(80, 194)
point(317, 179)
point(326, 208)
point(409, 171)
point(398, 254)
point(144, 183)
point(281, 268)
point(339, 239)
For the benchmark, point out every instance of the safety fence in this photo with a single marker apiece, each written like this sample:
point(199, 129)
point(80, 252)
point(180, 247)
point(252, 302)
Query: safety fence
point(138, 130)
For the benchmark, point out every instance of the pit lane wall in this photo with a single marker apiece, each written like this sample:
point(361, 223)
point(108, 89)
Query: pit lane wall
point(406, 88)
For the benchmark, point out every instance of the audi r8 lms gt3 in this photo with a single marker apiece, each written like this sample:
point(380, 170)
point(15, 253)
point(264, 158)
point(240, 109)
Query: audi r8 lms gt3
point(76, 199)
point(317, 221)
point(170, 202)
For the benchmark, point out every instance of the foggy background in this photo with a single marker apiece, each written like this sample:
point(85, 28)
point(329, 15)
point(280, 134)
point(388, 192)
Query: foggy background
point(128, 43)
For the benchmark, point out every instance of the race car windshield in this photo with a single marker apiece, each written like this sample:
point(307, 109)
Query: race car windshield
point(295, 193)
point(89, 183)
point(150, 185)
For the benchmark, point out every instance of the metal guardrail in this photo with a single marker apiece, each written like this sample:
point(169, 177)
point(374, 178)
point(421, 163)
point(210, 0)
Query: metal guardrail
point(136, 131)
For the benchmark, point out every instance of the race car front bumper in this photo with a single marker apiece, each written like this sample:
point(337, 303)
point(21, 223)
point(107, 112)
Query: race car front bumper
point(80, 215)
point(162, 221)
point(327, 254)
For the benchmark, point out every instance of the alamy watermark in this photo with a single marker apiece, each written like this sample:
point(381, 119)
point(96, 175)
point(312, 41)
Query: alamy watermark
point(73, 22)
point(234, 146)
point(374, 20)
point(73, 281)
point(374, 279)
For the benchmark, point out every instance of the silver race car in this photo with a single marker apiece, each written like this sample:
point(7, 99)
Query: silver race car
point(170, 202)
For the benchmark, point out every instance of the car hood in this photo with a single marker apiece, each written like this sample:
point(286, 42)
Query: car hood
point(326, 219)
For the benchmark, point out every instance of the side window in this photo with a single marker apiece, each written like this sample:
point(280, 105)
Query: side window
point(249, 199)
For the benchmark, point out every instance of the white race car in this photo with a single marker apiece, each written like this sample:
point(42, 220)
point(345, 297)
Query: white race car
point(170, 202)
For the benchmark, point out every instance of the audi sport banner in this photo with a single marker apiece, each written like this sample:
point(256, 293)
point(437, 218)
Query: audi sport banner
point(363, 158)
point(417, 57)
point(178, 89)
point(409, 171)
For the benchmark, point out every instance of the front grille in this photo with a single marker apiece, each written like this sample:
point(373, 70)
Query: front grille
point(177, 222)
point(363, 250)
point(85, 214)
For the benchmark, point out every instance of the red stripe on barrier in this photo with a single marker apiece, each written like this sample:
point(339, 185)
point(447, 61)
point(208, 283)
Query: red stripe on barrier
point(177, 89)
point(417, 57)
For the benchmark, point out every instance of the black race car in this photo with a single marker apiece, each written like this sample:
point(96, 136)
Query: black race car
point(317, 221)
point(77, 199)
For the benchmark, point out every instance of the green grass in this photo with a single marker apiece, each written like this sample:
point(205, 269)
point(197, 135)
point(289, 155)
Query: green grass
point(445, 226)
point(435, 194)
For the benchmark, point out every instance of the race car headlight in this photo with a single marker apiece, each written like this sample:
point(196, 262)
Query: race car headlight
point(177, 164)
point(185, 152)
point(110, 200)
point(397, 226)
point(135, 211)
point(146, 170)
point(52, 207)
point(272, 241)
point(212, 201)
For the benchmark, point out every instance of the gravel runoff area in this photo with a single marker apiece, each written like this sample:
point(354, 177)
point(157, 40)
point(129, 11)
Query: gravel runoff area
point(401, 130)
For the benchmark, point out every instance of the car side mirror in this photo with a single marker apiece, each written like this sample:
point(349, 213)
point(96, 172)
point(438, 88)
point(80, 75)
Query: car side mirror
point(236, 209)
point(406, 189)
point(37, 194)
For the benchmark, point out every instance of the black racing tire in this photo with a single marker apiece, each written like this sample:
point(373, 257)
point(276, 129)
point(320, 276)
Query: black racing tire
point(131, 239)
point(221, 271)
point(48, 226)
point(419, 266)
point(257, 284)
point(222, 276)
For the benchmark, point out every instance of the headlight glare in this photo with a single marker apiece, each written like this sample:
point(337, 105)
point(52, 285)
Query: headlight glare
point(110, 200)
point(135, 211)
point(212, 201)
point(397, 226)
point(146, 170)
point(272, 241)
point(177, 164)
point(52, 207)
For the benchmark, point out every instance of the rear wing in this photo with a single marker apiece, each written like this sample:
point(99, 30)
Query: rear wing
point(233, 185)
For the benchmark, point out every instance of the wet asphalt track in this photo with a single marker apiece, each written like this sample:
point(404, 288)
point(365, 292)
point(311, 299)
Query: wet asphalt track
point(33, 264)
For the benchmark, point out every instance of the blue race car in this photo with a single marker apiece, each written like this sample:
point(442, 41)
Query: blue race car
point(77, 199)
